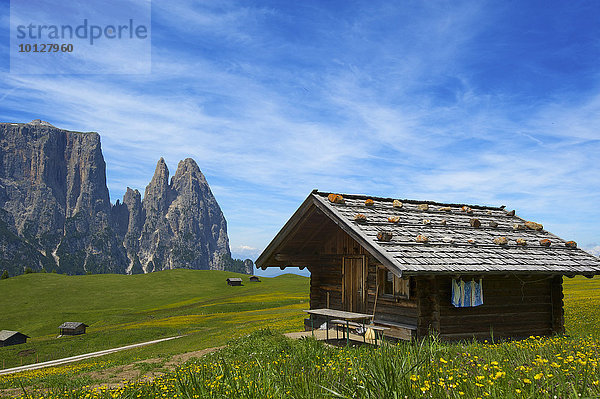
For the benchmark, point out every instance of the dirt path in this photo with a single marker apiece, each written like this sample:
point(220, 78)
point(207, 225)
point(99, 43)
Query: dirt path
point(142, 370)
point(80, 357)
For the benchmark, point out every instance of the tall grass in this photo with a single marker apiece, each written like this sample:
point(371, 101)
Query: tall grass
point(266, 364)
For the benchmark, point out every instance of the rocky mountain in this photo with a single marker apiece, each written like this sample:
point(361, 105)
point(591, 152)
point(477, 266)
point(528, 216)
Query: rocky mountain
point(56, 214)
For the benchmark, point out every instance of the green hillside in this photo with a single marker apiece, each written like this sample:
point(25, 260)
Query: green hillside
point(127, 309)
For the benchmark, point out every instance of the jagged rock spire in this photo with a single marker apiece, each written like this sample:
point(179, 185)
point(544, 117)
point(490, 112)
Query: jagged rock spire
point(57, 213)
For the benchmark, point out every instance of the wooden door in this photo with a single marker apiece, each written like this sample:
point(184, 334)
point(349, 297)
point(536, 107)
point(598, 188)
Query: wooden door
point(354, 284)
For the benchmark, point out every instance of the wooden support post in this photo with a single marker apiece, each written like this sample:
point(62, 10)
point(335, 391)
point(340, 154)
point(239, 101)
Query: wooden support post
point(435, 305)
point(428, 306)
point(423, 311)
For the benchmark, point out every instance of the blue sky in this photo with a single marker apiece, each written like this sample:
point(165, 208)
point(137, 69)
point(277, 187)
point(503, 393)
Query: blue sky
point(476, 102)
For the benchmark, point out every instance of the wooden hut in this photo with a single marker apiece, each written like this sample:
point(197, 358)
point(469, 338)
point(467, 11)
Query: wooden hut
point(8, 338)
point(254, 279)
point(234, 281)
point(458, 271)
point(72, 328)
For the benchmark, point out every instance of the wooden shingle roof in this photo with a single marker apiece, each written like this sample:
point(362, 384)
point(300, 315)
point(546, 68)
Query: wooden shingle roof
point(6, 334)
point(460, 238)
point(71, 325)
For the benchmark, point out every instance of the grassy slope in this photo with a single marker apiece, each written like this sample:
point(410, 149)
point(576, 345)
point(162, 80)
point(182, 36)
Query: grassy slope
point(582, 305)
point(266, 365)
point(125, 309)
point(224, 316)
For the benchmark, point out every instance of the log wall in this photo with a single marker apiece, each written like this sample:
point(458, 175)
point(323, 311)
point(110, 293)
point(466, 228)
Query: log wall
point(326, 277)
point(428, 305)
point(514, 307)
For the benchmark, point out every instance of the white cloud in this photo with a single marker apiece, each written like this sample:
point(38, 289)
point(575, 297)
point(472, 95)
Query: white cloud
point(594, 250)
point(355, 111)
point(245, 252)
point(245, 248)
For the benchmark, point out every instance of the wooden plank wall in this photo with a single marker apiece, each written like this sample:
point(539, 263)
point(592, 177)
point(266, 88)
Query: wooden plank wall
point(403, 311)
point(326, 276)
point(513, 307)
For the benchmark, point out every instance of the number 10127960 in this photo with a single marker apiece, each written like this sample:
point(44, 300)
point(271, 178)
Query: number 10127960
point(45, 48)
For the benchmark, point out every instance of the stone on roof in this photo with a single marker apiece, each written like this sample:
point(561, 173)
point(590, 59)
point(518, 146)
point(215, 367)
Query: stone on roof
point(449, 243)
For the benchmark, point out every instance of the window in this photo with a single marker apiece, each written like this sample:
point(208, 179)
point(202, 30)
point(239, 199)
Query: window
point(390, 285)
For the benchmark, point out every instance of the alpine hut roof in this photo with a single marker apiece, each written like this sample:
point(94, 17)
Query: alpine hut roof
point(71, 325)
point(428, 237)
point(6, 334)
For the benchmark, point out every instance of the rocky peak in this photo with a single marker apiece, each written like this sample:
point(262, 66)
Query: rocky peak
point(133, 201)
point(132, 198)
point(189, 177)
point(161, 174)
point(249, 265)
point(184, 225)
point(188, 166)
point(156, 196)
point(58, 200)
point(40, 122)
point(55, 210)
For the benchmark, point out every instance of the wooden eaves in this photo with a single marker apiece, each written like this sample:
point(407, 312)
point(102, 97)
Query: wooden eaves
point(304, 209)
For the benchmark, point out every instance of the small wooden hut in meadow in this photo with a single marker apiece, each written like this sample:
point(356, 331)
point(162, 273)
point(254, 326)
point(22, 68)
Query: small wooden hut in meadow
point(254, 279)
point(8, 338)
point(72, 328)
point(234, 281)
point(420, 267)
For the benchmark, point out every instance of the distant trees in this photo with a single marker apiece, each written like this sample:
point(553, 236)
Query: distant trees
point(4, 275)
point(234, 265)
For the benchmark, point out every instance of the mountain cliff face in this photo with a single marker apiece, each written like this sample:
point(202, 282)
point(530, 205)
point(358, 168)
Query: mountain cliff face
point(178, 224)
point(55, 211)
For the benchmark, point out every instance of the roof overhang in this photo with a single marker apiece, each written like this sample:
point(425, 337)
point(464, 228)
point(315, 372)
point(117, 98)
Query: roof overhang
point(300, 241)
point(311, 203)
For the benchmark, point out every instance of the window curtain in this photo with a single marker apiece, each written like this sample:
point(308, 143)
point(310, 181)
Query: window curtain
point(467, 293)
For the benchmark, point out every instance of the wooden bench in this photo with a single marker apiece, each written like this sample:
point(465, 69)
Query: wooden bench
point(399, 330)
point(351, 324)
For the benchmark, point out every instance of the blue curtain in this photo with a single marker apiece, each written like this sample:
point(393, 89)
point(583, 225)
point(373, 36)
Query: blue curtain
point(467, 293)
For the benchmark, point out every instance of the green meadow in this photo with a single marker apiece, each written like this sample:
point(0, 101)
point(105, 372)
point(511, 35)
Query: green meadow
point(122, 310)
point(259, 362)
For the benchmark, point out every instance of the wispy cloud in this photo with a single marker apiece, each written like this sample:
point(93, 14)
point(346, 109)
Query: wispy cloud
point(273, 101)
point(594, 250)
